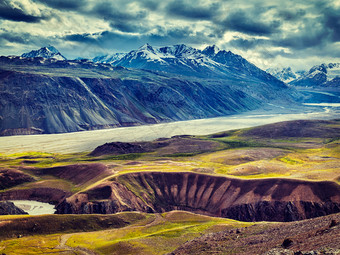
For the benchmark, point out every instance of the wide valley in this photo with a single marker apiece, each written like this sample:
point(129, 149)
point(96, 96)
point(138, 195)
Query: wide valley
point(89, 140)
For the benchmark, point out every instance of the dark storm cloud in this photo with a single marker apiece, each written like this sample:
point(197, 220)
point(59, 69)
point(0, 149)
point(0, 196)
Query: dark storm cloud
point(128, 27)
point(243, 22)
point(22, 38)
point(83, 38)
point(64, 4)
point(272, 54)
point(111, 12)
point(291, 15)
point(332, 23)
point(126, 42)
point(152, 5)
point(245, 44)
point(317, 32)
point(191, 10)
point(304, 40)
point(9, 12)
point(14, 38)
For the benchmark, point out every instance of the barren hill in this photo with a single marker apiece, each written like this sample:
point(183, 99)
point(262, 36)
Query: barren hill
point(246, 200)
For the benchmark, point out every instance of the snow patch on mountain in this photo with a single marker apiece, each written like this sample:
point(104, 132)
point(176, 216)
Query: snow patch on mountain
point(326, 75)
point(284, 74)
point(108, 58)
point(44, 52)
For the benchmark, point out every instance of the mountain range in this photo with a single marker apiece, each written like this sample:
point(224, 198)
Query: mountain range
point(45, 52)
point(285, 74)
point(188, 61)
point(149, 85)
point(324, 75)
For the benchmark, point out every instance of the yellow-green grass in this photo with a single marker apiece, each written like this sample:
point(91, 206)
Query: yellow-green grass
point(32, 245)
point(129, 232)
point(42, 159)
point(165, 233)
point(321, 162)
point(26, 225)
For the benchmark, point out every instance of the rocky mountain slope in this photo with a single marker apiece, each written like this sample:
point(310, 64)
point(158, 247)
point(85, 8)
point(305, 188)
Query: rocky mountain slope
point(44, 52)
point(51, 96)
point(285, 74)
point(108, 59)
point(323, 76)
point(185, 60)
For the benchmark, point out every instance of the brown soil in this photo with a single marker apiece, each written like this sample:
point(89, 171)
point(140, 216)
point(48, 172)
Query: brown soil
point(49, 195)
point(314, 236)
point(246, 200)
point(11, 177)
point(241, 156)
point(78, 174)
point(174, 145)
point(297, 129)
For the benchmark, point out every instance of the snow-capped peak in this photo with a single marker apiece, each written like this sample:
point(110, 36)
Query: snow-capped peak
point(44, 52)
point(211, 50)
point(146, 47)
point(331, 70)
point(285, 74)
point(51, 49)
point(325, 75)
point(108, 59)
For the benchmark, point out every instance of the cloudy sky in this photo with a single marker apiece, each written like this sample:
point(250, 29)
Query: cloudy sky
point(297, 33)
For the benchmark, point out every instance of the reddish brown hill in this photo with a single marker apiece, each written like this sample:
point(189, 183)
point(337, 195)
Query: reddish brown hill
point(297, 128)
point(246, 200)
point(78, 173)
point(49, 195)
point(164, 146)
point(10, 178)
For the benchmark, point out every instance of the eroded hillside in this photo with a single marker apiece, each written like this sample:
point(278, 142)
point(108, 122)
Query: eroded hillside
point(286, 171)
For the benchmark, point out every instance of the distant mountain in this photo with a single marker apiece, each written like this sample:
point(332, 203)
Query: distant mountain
point(188, 61)
point(284, 74)
point(73, 95)
point(45, 52)
point(108, 59)
point(324, 75)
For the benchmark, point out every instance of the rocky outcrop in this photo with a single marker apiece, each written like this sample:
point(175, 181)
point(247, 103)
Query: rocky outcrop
point(8, 208)
point(280, 210)
point(247, 200)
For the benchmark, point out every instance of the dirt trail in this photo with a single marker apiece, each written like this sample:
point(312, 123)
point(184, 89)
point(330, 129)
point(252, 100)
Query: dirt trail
point(83, 251)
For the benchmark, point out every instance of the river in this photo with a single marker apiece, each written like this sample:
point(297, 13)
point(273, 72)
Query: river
point(89, 140)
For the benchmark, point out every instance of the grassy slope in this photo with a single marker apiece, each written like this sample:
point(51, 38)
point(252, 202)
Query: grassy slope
point(238, 156)
point(128, 233)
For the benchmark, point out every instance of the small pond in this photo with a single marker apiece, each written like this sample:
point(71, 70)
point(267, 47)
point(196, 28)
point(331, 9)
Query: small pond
point(34, 207)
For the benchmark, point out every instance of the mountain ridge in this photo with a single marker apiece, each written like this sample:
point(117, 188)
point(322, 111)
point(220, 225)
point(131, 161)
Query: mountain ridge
point(44, 52)
point(324, 75)
point(210, 62)
point(74, 95)
point(318, 76)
